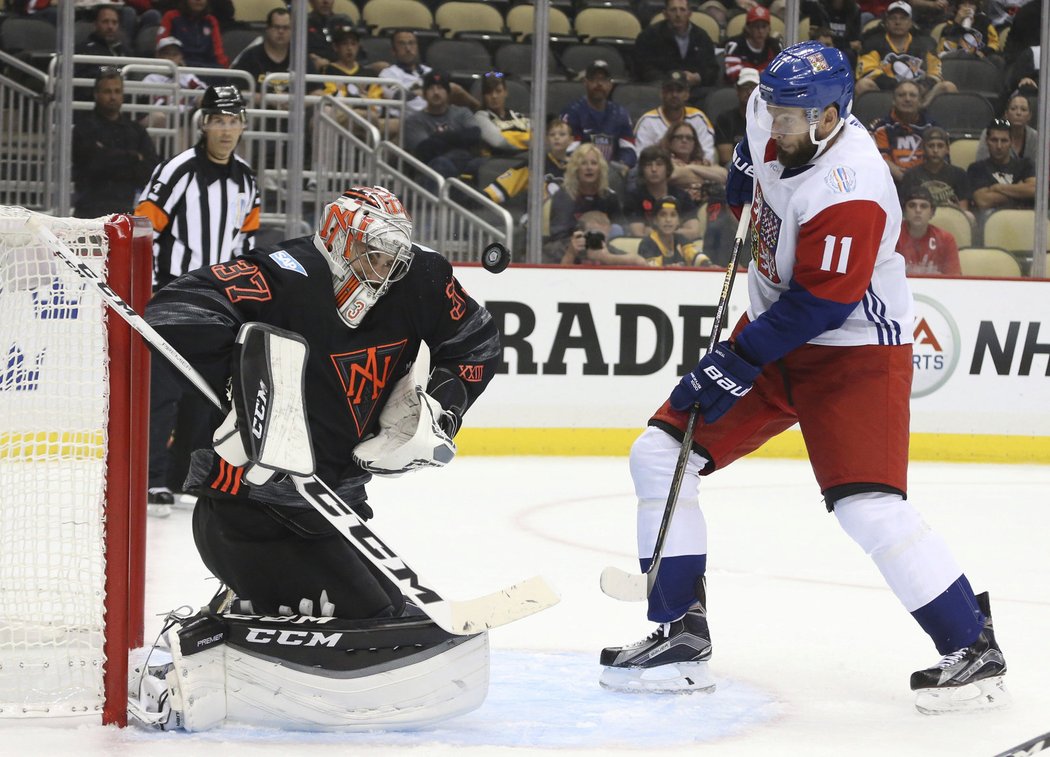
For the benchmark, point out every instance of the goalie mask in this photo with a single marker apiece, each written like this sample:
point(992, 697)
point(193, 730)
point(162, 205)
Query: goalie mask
point(366, 237)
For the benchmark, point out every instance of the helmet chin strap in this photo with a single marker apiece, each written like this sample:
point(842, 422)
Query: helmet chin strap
point(822, 144)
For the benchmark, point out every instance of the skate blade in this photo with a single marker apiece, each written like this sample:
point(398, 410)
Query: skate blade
point(673, 678)
point(986, 694)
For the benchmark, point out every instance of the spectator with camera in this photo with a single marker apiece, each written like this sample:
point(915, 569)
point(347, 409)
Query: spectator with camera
point(585, 189)
point(589, 244)
point(664, 246)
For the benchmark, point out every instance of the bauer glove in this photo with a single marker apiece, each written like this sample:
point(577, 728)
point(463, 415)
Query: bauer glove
point(718, 381)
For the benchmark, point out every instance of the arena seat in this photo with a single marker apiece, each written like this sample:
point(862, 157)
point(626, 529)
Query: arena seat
point(964, 114)
point(383, 15)
point(963, 152)
point(988, 261)
point(598, 24)
point(575, 59)
point(520, 23)
point(954, 221)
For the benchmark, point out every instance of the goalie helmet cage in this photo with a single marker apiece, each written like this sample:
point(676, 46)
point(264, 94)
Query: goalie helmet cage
point(74, 382)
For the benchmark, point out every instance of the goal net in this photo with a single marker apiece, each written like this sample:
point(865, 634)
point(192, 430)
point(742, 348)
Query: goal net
point(73, 437)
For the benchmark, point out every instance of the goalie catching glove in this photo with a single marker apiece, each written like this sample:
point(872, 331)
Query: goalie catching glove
point(266, 432)
point(415, 431)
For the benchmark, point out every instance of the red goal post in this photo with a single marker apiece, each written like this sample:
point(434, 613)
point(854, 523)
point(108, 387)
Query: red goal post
point(74, 386)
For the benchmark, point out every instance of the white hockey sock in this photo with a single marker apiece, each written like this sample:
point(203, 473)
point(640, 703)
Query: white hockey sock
point(913, 559)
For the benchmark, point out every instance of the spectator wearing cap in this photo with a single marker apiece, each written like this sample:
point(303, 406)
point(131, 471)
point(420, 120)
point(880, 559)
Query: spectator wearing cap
point(321, 22)
point(653, 124)
point(641, 201)
point(408, 71)
point(730, 125)
point(677, 44)
point(899, 135)
point(927, 249)
point(753, 48)
point(596, 119)
point(665, 245)
point(198, 30)
point(346, 43)
point(1002, 180)
point(899, 53)
point(946, 184)
point(503, 131)
point(1024, 140)
point(169, 48)
point(273, 55)
point(442, 135)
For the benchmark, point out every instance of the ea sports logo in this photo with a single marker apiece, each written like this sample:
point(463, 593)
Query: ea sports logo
point(935, 352)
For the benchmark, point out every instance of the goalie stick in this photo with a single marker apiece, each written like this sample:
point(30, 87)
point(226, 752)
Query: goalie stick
point(1030, 747)
point(460, 617)
point(635, 587)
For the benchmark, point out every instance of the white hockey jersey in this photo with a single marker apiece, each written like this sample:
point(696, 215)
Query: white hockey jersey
point(823, 239)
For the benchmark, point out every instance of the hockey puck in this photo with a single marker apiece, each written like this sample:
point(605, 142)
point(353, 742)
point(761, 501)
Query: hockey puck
point(495, 258)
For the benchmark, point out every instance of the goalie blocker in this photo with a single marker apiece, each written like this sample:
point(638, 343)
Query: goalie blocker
point(305, 673)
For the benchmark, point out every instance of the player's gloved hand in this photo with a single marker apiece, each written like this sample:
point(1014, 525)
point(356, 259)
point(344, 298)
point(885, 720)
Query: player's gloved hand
point(740, 184)
point(228, 444)
point(719, 380)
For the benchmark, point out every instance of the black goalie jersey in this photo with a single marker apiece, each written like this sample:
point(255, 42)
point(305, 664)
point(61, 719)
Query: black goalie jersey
point(349, 373)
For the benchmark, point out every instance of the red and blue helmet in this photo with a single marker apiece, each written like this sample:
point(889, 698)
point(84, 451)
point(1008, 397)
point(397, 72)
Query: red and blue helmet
point(808, 75)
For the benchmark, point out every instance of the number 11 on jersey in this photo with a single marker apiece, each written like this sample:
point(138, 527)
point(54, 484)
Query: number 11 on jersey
point(826, 262)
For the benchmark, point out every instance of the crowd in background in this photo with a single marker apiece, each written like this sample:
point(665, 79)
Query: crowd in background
point(619, 167)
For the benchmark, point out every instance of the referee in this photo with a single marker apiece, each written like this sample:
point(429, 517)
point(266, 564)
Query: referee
point(204, 207)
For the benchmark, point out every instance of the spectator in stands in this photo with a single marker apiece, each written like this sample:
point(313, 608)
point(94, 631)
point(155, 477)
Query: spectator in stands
point(113, 156)
point(652, 125)
point(1002, 180)
point(754, 48)
point(946, 184)
point(347, 44)
point(899, 55)
point(169, 48)
point(1022, 18)
point(926, 248)
point(503, 131)
point(106, 37)
point(842, 17)
point(642, 201)
point(730, 125)
point(677, 44)
point(585, 189)
point(442, 135)
point(198, 31)
point(273, 56)
point(690, 169)
point(514, 180)
point(596, 119)
point(408, 71)
point(899, 135)
point(1024, 140)
point(970, 32)
point(321, 22)
point(926, 14)
point(665, 245)
point(1023, 76)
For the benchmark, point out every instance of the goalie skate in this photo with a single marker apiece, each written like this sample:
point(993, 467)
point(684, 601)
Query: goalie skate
point(671, 660)
point(968, 679)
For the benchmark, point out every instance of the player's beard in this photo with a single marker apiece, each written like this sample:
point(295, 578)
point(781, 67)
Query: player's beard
point(800, 155)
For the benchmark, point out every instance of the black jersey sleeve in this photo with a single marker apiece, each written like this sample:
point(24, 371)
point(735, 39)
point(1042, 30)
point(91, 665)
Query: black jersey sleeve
point(460, 332)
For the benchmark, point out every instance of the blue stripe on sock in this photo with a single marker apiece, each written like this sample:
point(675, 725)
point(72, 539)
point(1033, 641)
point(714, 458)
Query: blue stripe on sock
point(675, 588)
point(952, 619)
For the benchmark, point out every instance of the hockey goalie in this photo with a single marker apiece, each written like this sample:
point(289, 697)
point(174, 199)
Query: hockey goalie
point(315, 342)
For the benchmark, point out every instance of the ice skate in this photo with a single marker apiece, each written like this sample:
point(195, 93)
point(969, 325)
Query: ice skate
point(970, 678)
point(159, 502)
point(672, 659)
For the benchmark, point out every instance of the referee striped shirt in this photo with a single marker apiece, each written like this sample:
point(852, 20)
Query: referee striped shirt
point(202, 212)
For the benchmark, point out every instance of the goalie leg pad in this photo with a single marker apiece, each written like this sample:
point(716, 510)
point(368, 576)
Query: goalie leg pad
point(326, 674)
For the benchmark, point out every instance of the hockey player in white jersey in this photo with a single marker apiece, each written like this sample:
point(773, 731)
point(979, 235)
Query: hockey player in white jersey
point(826, 343)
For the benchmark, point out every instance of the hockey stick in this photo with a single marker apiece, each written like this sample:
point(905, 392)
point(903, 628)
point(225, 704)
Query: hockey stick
point(635, 587)
point(457, 617)
point(1032, 746)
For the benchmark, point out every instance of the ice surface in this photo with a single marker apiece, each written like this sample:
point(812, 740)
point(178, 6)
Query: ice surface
point(812, 652)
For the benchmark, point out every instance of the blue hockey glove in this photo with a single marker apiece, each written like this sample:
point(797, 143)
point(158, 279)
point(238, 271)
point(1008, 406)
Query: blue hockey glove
point(719, 380)
point(740, 184)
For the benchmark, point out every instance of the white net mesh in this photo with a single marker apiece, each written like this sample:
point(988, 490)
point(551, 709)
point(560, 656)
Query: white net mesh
point(53, 410)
